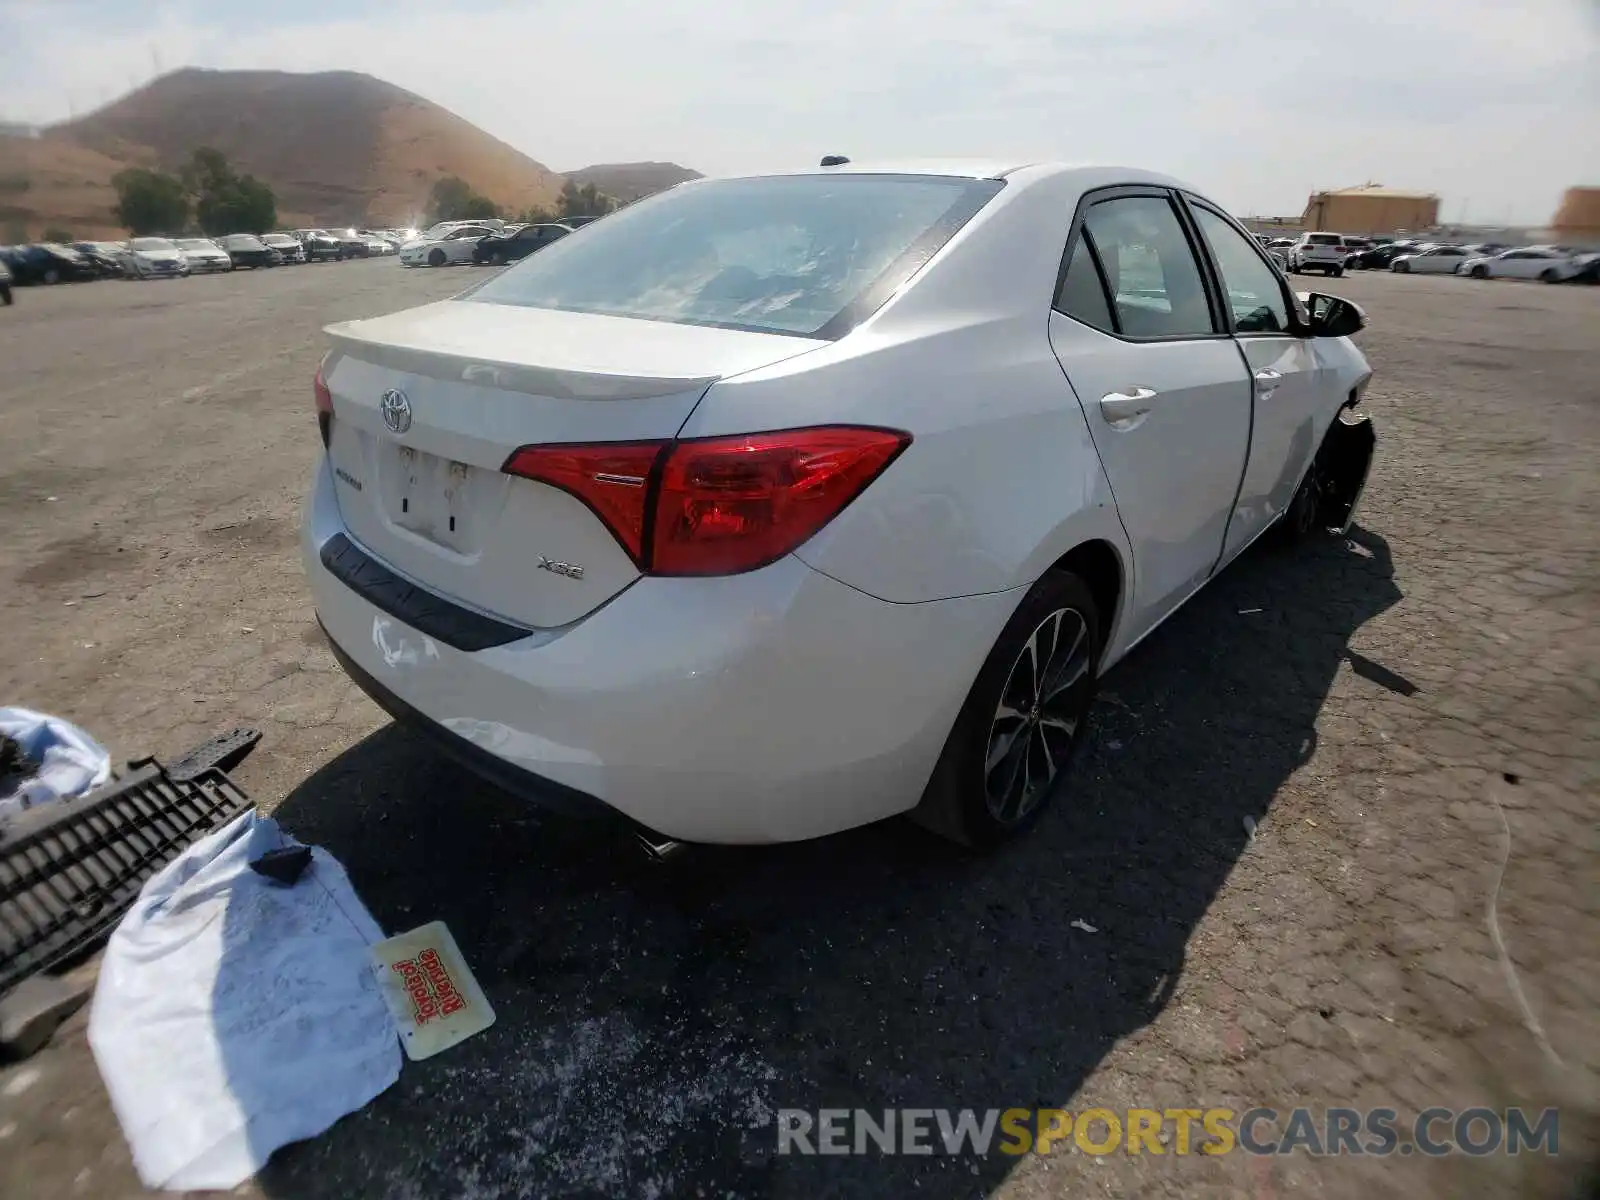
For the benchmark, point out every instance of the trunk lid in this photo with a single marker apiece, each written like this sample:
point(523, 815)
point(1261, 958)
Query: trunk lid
point(418, 474)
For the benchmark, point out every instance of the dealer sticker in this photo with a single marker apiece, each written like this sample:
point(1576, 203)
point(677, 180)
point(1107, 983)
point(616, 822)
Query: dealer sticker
point(431, 994)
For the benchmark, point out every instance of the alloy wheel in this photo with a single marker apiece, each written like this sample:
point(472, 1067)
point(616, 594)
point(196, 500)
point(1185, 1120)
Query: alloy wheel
point(1041, 709)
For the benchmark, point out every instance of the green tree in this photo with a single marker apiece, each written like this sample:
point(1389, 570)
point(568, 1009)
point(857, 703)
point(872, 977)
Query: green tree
point(149, 201)
point(56, 235)
point(583, 201)
point(243, 205)
point(537, 216)
point(454, 200)
point(226, 202)
point(479, 208)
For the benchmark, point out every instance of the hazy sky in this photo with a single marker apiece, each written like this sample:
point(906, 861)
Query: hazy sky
point(1494, 104)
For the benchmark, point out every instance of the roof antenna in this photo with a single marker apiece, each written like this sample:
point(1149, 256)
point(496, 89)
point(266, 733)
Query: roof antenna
point(834, 160)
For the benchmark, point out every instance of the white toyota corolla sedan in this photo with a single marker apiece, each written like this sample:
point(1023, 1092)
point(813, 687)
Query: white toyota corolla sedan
point(773, 506)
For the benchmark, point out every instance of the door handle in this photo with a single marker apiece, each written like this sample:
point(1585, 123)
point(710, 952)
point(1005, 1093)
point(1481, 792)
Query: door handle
point(1126, 410)
point(1267, 380)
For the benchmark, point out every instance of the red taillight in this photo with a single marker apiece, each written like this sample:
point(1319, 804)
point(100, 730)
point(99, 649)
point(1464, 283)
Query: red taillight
point(717, 506)
point(324, 400)
point(736, 503)
point(611, 478)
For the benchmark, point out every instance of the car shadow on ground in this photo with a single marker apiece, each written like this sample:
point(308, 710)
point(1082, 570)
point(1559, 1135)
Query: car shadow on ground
point(652, 1018)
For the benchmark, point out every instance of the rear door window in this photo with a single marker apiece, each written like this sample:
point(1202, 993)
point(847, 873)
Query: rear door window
point(1082, 296)
point(1150, 268)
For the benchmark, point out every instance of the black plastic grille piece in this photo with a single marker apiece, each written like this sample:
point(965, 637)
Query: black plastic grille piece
point(71, 868)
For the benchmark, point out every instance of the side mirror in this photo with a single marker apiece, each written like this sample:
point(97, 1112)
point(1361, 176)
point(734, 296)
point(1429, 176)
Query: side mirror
point(1333, 316)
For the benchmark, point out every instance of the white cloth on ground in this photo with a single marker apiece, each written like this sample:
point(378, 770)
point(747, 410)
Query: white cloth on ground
point(234, 1014)
point(70, 761)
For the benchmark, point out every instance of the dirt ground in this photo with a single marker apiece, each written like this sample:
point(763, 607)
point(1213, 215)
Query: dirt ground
point(1411, 717)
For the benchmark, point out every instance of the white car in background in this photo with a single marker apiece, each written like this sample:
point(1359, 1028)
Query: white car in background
point(154, 258)
point(1531, 262)
point(773, 506)
point(286, 245)
point(1323, 252)
point(1430, 260)
point(452, 246)
point(204, 255)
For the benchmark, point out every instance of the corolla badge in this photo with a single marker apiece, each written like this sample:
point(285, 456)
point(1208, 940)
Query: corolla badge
point(396, 410)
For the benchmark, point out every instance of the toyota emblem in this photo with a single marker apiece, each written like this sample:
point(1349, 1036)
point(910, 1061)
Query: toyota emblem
point(396, 410)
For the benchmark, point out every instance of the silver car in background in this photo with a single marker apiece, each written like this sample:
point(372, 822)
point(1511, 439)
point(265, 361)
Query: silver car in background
point(204, 256)
point(154, 258)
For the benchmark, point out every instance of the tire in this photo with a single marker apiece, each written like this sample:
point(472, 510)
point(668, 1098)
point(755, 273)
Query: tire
point(5, 294)
point(1550, 275)
point(1337, 272)
point(1401, 268)
point(1479, 272)
point(1299, 521)
point(979, 805)
point(436, 258)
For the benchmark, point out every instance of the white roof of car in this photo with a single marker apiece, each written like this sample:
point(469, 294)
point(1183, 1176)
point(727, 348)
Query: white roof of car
point(1095, 174)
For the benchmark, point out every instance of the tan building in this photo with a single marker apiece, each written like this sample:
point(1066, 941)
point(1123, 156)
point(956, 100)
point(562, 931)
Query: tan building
point(1370, 208)
point(1578, 218)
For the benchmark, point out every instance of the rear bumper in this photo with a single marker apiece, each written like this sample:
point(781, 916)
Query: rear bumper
point(501, 772)
point(773, 706)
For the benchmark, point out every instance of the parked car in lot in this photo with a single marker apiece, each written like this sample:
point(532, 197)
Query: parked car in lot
point(50, 262)
point(1531, 262)
point(204, 255)
point(1318, 252)
point(455, 245)
point(288, 248)
point(105, 257)
point(1586, 269)
point(377, 244)
point(1376, 258)
point(247, 250)
point(352, 243)
point(1430, 260)
point(154, 258)
point(515, 244)
point(773, 506)
point(320, 245)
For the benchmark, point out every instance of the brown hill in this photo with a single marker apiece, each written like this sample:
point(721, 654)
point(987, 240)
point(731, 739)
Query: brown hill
point(47, 182)
point(629, 181)
point(336, 148)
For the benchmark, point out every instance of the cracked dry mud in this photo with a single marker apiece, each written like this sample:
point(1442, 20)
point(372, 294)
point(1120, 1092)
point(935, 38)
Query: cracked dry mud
point(1400, 701)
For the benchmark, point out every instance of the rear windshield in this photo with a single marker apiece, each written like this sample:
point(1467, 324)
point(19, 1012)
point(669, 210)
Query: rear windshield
point(810, 255)
point(1323, 239)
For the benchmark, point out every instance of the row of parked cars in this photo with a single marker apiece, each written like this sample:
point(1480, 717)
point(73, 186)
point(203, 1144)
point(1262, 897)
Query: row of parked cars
point(175, 257)
point(1336, 253)
point(484, 243)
